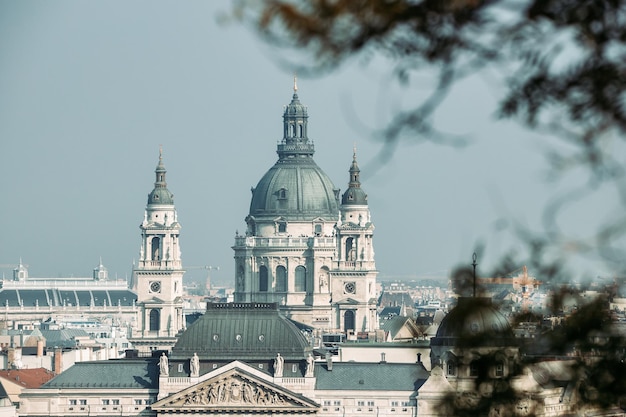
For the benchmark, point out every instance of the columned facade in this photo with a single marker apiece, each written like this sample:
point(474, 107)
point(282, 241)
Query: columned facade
point(291, 252)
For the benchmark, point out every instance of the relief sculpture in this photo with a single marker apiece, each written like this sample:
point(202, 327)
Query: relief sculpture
point(234, 391)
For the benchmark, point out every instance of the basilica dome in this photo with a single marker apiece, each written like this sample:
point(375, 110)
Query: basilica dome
point(295, 188)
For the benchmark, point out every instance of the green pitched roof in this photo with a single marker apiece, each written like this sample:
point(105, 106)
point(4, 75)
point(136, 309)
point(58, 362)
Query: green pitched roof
point(139, 373)
point(370, 376)
point(242, 331)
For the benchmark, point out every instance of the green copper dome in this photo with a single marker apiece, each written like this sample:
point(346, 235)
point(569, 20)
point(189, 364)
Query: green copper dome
point(160, 194)
point(295, 187)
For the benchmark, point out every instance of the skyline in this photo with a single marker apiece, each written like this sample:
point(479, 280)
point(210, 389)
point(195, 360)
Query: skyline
point(91, 91)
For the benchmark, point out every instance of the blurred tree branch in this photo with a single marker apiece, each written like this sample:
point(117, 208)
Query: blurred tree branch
point(562, 64)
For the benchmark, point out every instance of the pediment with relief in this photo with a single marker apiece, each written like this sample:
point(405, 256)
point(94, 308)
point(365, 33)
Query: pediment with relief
point(236, 390)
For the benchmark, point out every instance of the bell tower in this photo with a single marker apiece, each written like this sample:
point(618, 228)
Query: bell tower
point(158, 275)
point(354, 272)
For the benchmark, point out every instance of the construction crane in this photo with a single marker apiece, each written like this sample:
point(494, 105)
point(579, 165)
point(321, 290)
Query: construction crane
point(209, 268)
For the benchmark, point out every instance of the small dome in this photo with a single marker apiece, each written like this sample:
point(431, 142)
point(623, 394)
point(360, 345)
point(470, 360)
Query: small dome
point(160, 196)
point(474, 317)
point(354, 196)
point(242, 331)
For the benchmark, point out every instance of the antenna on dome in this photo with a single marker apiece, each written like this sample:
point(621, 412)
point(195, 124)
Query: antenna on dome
point(474, 265)
point(295, 82)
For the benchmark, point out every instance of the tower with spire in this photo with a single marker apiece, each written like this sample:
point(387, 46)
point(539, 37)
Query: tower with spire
point(158, 274)
point(354, 270)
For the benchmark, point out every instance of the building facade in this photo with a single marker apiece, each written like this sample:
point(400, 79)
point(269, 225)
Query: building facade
point(306, 247)
point(158, 274)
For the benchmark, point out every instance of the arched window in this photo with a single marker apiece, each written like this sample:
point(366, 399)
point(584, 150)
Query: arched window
point(348, 320)
point(156, 245)
point(263, 279)
point(350, 250)
point(281, 279)
point(241, 284)
point(300, 279)
point(324, 279)
point(301, 130)
point(155, 320)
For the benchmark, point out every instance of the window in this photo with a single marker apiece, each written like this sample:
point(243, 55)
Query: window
point(294, 368)
point(282, 227)
point(146, 402)
point(106, 402)
point(451, 368)
point(260, 366)
point(318, 230)
point(326, 402)
point(73, 402)
point(282, 194)
point(155, 318)
point(361, 403)
point(337, 402)
point(263, 279)
point(300, 279)
point(137, 402)
point(214, 366)
point(82, 402)
point(116, 402)
point(370, 403)
point(155, 244)
point(473, 369)
point(281, 279)
point(395, 403)
point(499, 369)
point(180, 367)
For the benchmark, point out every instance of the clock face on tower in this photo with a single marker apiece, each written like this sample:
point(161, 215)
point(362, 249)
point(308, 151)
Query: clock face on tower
point(349, 287)
point(155, 286)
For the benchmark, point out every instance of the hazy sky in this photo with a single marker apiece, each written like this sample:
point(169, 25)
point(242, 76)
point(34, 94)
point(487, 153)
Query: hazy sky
point(90, 90)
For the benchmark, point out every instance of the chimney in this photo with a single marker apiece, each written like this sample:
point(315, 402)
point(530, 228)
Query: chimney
point(39, 348)
point(10, 356)
point(58, 360)
point(329, 361)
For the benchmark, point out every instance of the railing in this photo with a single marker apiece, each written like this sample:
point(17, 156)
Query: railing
point(65, 283)
point(294, 381)
point(179, 380)
point(403, 411)
point(304, 241)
